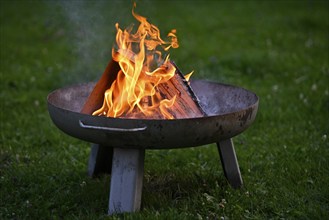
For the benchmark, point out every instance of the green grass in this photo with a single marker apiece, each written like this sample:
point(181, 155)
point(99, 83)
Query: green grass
point(279, 50)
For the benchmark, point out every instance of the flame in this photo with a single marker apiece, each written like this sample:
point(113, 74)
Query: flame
point(188, 76)
point(134, 91)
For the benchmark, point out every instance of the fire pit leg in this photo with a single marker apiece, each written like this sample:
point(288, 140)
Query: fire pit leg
point(100, 160)
point(126, 180)
point(230, 163)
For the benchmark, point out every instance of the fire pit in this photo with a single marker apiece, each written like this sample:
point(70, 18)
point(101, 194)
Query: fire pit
point(142, 101)
point(120, 144)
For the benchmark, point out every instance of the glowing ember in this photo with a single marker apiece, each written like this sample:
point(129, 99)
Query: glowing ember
point(135, 92)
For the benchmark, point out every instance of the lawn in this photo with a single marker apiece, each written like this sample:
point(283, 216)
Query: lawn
point(277, 49)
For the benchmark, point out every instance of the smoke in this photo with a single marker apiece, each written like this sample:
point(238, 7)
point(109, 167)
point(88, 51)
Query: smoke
point(90, 29)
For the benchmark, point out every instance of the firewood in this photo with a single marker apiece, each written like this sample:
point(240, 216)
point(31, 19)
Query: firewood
point(96, 97)
point(185, 106)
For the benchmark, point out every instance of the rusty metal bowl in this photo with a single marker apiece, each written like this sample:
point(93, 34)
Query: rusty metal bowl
point(230, 110)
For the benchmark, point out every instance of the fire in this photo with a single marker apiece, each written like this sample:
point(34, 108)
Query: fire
point(134, 92)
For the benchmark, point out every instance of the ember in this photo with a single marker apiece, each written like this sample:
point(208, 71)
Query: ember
point(144, 84)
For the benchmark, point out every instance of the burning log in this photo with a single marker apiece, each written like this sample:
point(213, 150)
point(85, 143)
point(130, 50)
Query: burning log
point(185, 105)
point(96, 97)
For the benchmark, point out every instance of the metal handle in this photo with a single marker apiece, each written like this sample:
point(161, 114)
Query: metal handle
point(82, 125)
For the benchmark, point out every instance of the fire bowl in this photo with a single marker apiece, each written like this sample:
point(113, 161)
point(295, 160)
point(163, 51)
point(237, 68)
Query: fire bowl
point(230, 110)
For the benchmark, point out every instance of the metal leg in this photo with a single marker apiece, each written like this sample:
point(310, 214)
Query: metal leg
point(230, 163)
point(126, 180)
point(100, 160)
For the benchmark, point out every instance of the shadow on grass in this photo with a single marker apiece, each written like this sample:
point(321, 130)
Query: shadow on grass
point(172, 189)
